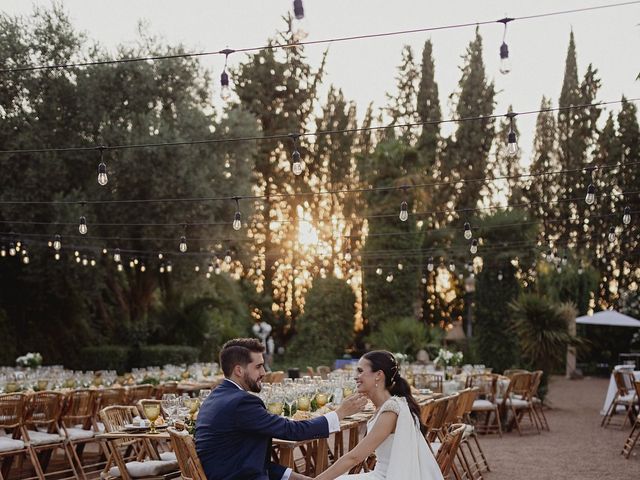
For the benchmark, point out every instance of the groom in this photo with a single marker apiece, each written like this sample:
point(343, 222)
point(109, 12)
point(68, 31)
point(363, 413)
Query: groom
point(234, 429)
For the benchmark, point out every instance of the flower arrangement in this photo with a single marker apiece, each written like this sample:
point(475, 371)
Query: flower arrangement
point(447, 358)
point(30, 360)
point(401, 357)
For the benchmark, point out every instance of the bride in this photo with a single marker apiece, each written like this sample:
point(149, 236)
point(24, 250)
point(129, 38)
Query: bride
point(394, 432)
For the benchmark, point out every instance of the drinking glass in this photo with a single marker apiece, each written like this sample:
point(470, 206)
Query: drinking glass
point(152, 412)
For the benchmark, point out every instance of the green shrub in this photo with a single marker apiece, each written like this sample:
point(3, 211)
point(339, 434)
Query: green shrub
point(406, 335)
point(8, 351)
point(325, 329)
point(104, 357)
point(159, 355)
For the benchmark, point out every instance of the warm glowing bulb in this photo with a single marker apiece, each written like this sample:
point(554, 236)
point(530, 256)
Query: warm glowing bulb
point(183, 244)
point(57, 256)
point(626, 217)
point(297, 165)
point(131, 264)
point(160, 256)
point(169, 267)
point(78, 259)
point(3, 252)
point(116, 255)
point(430, 264)
point(162, 268)
point(12, 249)
point(404, 214)
point(379, 270)
point(400, 266)
point(120, 267)
point(452, 267)
point(474, 246)
point(227, 257)
point(500, 276)
point(467, 231)
point(76, 253)
point(210, 268)
point(85, 261)
point(82, 227)
point(424, 280)
point(102, 174)
point(93, 262)
point(512, 146)
point(143, 268)
point(390, 277)
point(57, 244)
point(208, 275)
point(612, 234)
point(591, 194)
point(196, 268)
point(347, 255)
point(237, 221)
point(25, 259)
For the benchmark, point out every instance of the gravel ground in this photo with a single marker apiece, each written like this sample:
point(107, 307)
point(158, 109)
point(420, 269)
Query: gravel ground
point(576, 448)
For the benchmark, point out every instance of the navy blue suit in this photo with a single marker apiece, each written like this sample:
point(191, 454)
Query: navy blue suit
point(234, 431)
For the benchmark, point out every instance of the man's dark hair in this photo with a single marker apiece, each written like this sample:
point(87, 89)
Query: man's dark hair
point(238, 352)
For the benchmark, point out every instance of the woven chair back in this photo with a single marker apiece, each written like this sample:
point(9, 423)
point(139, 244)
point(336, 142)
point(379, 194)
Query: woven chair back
point(11, 410)
point(520, 384)
point(486, 383)
point(115, 418)
point(449, 448)
point(44, 410)
point(185, 450)
point(139, 392)
point(79, 407)
point(111, 396)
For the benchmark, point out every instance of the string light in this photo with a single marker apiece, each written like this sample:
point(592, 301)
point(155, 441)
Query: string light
point(389, 277)
point(183, 244)
point(210, 268)
point(85, 261)
point(161, 268)
point(505, 62)
point(424, 280)
point(160, 256)
point(430, 264)
point(378, 270)
point(591, 189)
point(225, 90)
point(76, 253)
point(227, 257)
point(297, 165)
point(626, 217)
point(298, 9)
point(25, 255)
point(565, 259)
point(452, 266)
point(57, 243)
point(404, 207)
point(143, 268)
point(467, 231)
point(104, 251)
point(218, 269)
point(237, 218)
point(102, 169)
point(56, 256)
point(196, 268)
point(82, 227)
point(169, 267)
point(207, 275)
point(400, 266)
point(93, 262)
point(131, 264)
point(116, 255)
point(78, 259)
point(12, 249)
point(612, 234)
point(512, 145)
point(3, 251)
point(347, 254)
point(500, 276)
point(474, 246)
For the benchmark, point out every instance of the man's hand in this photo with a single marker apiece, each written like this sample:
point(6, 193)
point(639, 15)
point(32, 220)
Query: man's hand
point(350, 405)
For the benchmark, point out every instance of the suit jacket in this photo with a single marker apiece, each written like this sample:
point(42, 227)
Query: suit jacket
point(234, 431)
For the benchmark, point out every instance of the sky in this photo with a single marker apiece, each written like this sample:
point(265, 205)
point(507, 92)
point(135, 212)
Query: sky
point(365, 69)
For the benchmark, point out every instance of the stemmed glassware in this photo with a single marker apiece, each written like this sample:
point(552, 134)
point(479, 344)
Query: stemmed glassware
point(152, 412)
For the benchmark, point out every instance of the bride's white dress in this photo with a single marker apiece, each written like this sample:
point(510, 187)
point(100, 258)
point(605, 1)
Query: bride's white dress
point(404, 454)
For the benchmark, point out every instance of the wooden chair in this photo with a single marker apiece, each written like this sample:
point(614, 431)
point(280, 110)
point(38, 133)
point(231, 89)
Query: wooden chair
point(634, 435)
point(41, 430)
point(185, 449)
point(432, 382)
point(486, 404)
point(436, 423)
point(166, 387)
point(517, 400)
point(624, 397)
point(512, 371)
point(77, 422)
point(277, 377)
point(12, 407)
point(130, 454)
point(138, 392)
point(538, 411)
point(449, 448)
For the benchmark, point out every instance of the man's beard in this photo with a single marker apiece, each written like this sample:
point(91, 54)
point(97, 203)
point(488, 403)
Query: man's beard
point(252, 385)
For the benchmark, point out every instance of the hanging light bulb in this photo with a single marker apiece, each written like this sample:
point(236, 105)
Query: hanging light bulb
point(82, 227)
point(424, 280)
point(591, 194)
point(404, 214)
point(57, 244)
point(390, 277)
point(580, 270)
point(162, 268)
point(400, 266)
point(430, 264)
point(379, 270)
point(612, 234)
point(92, 262)
point(227, 257)
point(120, 267)
point(169, 267)
point(207, 275)
point(132, 264)
point(85, 261)
point(78, 259)
point(474, 246)
point(50, 243)
point(56, 256)
point(183, 244)
point(258, 271)
point(565, 259)
point(210, 267)
point(102, 169)
point(135, 261)
point(104, 251)
point(626, 217)
point(452, 267)
point(160, 256)
point(469, 267)
point(116, 255)
point(76, 253)
point(500, 276)
point(12, 249)
point(505, 62)
point(196, 268)
point(512, 145)
point(3, 251)
point(298, 9)
point(225, 90)
point(143, 268)
point(297, 165)
point(467, 231)
point(347, 255)
point(25, 256)
point(218, 269)
point(237, 218)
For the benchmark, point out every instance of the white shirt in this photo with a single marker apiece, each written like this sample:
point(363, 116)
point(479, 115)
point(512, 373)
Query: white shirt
point(332, 420)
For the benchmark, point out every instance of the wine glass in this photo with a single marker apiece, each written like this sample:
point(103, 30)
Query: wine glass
point(275, 401)
point(152, 412)
point(304, 399)
point(203, 394)
point(168, 403)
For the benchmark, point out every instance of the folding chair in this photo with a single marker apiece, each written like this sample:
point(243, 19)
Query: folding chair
point(12, 407)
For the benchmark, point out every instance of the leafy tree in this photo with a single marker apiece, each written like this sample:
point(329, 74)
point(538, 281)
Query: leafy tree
point(326, 328)
point(402, 107)
point(406, 335)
